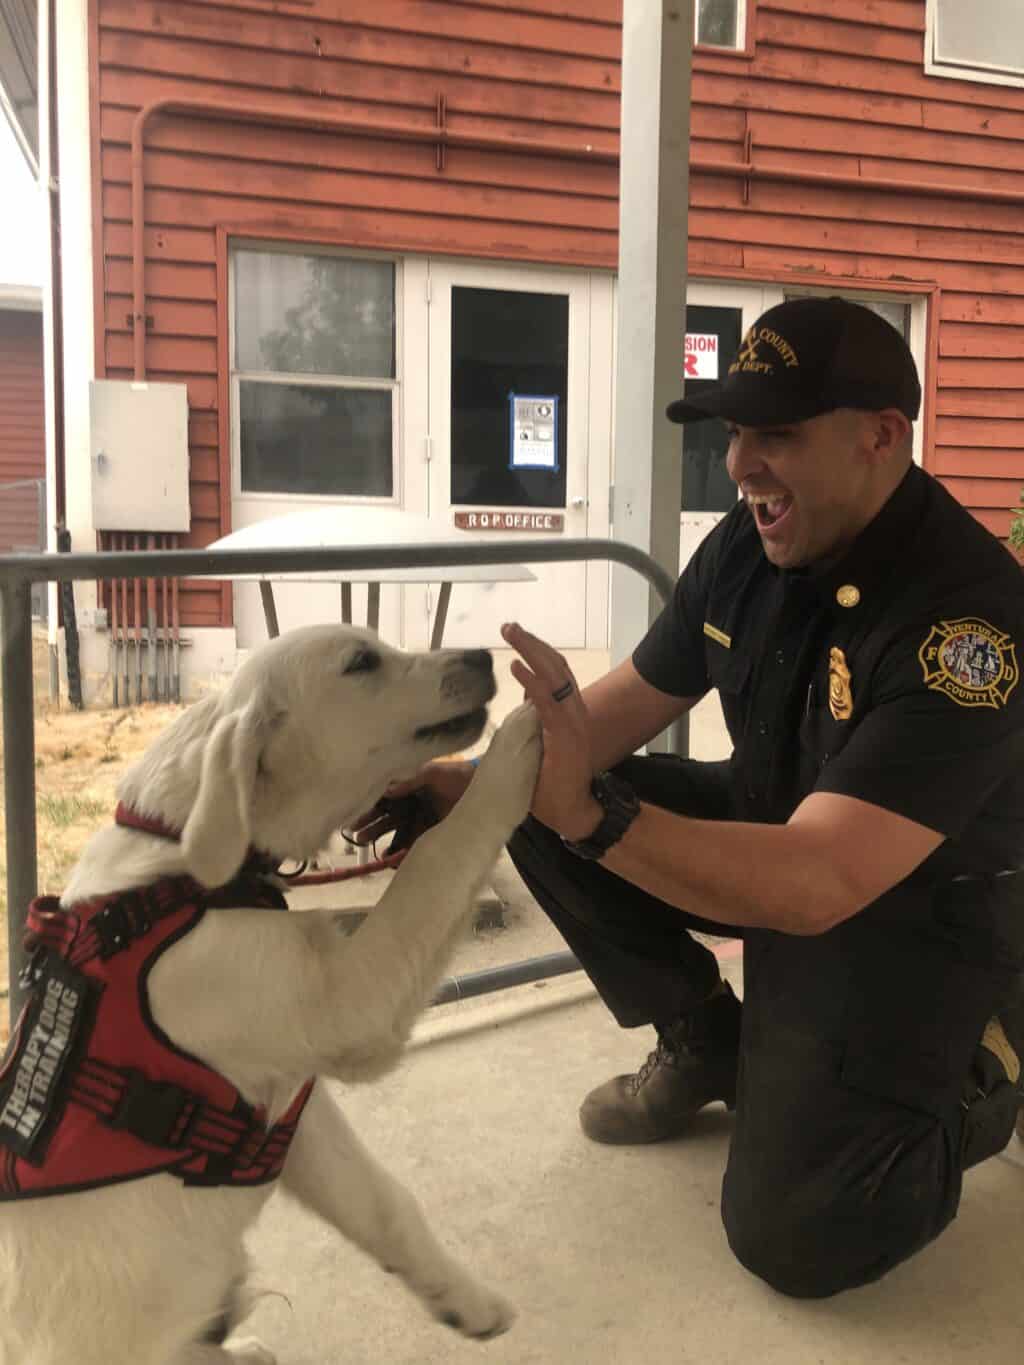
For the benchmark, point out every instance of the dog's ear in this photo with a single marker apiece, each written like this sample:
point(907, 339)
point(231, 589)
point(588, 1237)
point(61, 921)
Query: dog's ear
point(216, 834)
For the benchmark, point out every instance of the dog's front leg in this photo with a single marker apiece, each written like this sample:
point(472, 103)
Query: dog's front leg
point(392, 964)
point(330, 1172)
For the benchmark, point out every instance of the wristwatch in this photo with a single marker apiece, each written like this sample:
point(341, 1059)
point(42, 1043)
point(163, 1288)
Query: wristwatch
point(620, 806)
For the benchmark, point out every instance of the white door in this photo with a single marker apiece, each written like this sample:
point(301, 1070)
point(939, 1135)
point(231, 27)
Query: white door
point(717, 317)
point(510, 433)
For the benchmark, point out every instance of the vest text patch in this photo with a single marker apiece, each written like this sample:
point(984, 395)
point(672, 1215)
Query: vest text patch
point(44, 1038)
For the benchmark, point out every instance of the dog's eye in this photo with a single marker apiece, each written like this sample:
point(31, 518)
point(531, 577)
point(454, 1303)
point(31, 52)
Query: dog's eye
point(365, 661)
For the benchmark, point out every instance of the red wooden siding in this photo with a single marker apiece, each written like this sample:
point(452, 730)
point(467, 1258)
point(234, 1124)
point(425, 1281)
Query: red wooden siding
point(22, 427)
point(835, 89)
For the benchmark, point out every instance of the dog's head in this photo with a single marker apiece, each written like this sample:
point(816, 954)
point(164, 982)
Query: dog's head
point(308, 734)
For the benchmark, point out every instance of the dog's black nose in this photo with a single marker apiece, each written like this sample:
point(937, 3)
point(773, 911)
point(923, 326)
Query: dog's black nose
point(479, 658)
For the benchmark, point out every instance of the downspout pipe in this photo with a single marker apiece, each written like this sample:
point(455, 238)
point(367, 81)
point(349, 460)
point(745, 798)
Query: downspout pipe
point(835, 180)
point(445, 137)
point(275, 118)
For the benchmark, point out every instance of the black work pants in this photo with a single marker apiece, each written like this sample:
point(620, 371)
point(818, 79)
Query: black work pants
point(846, 1156)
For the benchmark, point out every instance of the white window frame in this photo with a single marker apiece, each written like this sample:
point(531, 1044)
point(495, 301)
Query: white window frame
point(296, 380)
point(952, 70)
point(741, 30)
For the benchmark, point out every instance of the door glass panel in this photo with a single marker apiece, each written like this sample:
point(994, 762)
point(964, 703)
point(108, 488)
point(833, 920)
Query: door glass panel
point(508, 343)
point(714, 339)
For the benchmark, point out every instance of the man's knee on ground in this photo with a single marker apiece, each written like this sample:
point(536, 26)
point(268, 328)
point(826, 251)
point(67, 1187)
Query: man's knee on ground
point(804, 1259)
point(811, 1251)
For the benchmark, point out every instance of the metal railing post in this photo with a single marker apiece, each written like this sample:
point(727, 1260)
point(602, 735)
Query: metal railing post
point(19, 770)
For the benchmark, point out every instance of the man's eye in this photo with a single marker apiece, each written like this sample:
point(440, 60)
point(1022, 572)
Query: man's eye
point(363, 662)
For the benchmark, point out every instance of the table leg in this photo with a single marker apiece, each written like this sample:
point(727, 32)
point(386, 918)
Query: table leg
point(269, 609)
point(440, 616)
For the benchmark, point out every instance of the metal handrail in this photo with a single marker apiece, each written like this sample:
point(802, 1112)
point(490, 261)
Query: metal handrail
point(19, 572)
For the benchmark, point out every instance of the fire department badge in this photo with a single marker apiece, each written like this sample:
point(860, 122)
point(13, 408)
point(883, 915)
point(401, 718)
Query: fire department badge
point(971, 661)
point(840, 693)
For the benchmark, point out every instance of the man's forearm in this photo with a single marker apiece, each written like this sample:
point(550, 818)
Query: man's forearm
point(752, 876)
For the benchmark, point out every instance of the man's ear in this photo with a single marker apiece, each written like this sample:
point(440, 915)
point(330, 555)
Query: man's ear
point(216, 834)
point(892, 432)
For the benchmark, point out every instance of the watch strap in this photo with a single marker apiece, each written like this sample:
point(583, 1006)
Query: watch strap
point(621, 807)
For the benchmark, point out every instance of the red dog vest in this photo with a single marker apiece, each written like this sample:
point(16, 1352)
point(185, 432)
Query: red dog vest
point(92, 1092)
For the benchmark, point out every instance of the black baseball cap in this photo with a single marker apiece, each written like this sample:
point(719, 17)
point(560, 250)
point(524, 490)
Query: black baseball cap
point(807, 357)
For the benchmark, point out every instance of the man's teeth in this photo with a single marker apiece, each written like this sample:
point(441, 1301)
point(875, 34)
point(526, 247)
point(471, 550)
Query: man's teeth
point(774, 503)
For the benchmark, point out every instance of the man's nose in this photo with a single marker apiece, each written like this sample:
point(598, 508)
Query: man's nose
point(742, 459)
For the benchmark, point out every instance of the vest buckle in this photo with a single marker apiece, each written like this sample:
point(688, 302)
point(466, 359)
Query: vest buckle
point(150, 1110)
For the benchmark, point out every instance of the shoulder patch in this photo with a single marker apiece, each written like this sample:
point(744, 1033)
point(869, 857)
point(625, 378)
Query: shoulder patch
point(971, 662)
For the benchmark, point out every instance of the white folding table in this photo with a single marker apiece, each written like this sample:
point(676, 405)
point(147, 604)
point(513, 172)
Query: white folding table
point(354, 526)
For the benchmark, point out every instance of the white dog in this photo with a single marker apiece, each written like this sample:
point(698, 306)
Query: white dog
point(307, 736)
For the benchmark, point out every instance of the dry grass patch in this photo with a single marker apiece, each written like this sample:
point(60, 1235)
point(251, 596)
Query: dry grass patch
point(80, 756)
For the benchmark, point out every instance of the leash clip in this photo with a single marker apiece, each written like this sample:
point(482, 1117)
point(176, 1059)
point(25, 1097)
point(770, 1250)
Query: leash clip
point(28, 977)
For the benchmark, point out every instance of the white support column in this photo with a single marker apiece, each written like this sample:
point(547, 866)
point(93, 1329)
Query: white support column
point(657, 46)
point(72, 47)
point(44, 199)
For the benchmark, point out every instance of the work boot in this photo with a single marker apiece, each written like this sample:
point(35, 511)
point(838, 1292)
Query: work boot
point(1012, 1018)
point(993, 1093)
point(693, 1064)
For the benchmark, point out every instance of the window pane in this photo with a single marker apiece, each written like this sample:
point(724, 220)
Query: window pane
point(706, 483)
point(896, 314)
point(312, 439)
point(716, 22)
point(981, 32)
point(505, 342)
point(314, 315)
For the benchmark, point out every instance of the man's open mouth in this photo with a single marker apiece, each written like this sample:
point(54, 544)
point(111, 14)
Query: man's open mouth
point(468, 720)
point(769, 510)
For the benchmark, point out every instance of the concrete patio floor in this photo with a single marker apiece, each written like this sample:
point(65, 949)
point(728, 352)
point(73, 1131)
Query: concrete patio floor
point(610, 1254)
point(613, 1256)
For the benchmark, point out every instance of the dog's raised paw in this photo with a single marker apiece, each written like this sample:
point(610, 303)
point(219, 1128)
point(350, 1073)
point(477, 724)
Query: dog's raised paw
point(508, 770)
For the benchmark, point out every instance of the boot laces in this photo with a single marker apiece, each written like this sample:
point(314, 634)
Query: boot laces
point(663, 1055)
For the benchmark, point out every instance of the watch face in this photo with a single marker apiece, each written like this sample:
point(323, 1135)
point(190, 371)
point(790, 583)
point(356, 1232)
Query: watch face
point(613, 791)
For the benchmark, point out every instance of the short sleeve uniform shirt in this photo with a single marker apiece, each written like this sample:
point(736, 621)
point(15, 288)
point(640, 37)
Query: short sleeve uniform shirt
point(893, 676)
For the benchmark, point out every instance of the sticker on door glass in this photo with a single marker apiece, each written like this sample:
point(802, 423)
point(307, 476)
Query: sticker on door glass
point(534, 423)
point(701, 355)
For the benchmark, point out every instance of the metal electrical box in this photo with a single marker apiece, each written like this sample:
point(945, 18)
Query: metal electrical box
point(139, 451)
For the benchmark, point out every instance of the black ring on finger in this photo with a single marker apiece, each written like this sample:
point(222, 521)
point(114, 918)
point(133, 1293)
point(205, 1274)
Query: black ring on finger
point(560, 693)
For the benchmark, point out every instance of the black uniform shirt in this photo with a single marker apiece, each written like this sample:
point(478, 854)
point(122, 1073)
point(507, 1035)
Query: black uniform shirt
point(892, 676)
